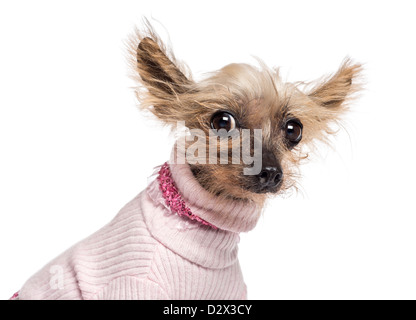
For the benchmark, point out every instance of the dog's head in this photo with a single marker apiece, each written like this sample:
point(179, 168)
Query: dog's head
point(232, 102)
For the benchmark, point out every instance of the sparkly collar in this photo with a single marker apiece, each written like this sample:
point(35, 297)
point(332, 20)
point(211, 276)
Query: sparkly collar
point(178, 191)
point(173, 198)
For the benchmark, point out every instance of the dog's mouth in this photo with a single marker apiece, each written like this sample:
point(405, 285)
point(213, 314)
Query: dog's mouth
point(255, 187)
point(236, 187)
point(268, 189)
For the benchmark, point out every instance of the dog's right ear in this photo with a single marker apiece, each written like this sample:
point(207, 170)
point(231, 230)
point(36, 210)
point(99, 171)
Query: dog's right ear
point(167, 83)
point(160, 75)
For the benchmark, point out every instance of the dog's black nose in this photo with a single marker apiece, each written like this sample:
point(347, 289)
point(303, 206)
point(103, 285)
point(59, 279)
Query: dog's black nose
point(269, 178)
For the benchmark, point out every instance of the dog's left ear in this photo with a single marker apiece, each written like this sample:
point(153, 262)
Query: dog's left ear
point(328, 100)
point(333, 92)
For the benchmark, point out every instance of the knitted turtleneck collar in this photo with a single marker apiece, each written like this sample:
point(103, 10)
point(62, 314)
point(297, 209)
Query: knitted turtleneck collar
point(225, 214)
point(173, 198)
point(211, 237)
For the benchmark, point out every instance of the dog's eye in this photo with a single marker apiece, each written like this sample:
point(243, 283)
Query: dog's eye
point(293, 131)
point(223, 120)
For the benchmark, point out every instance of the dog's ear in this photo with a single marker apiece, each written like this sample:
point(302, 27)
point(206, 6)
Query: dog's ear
point(164, 83)
point(160, 74)
point(328, 100)
point(332, 92)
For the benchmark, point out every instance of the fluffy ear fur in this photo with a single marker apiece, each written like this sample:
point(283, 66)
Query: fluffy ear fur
point(161, 76)
point(326, 101)
point(162, 80)
point(333, 91)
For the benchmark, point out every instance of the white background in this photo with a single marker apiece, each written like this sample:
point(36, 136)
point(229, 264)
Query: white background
point(74, 148)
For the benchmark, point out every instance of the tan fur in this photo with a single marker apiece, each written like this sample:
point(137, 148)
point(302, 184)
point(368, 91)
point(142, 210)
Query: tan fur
point(256, 96)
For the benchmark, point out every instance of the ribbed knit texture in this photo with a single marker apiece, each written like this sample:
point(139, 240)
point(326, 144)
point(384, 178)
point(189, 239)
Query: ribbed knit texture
point(148, 252)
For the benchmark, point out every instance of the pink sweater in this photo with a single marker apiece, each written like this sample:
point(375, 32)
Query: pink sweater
point(149, 252)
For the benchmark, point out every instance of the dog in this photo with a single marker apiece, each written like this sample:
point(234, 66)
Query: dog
point(178, 239)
